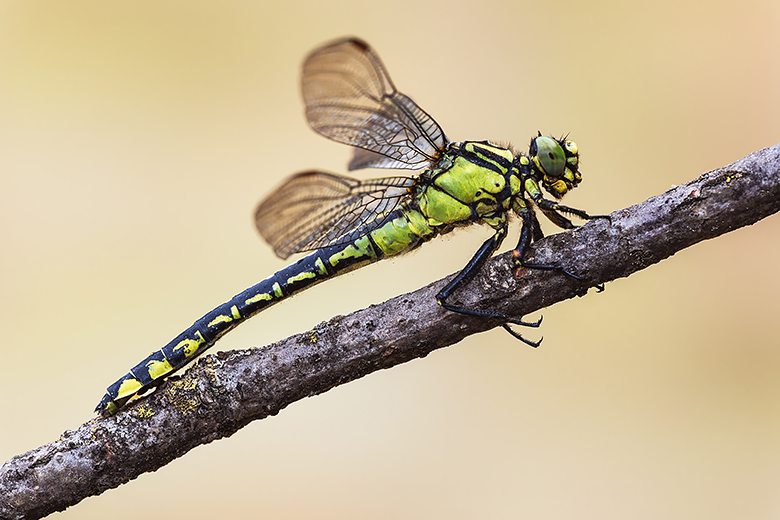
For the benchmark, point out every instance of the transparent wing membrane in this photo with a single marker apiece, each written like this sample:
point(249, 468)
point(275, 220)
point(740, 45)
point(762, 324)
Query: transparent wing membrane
point(350, 98)
point(316, 209)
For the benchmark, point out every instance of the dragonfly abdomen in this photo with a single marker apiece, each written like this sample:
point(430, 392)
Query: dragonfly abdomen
point(403, 230)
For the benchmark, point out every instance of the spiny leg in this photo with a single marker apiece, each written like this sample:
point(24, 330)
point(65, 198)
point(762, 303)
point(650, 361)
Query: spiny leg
point(519, 336)
point(530, 223)
point(467, 273)
point(552, 206)
point(552, 210)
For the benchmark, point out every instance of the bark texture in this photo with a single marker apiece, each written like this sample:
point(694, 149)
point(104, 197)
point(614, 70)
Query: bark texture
point(227, 390)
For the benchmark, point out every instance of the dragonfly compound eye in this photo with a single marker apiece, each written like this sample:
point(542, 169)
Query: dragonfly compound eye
point(550, 157)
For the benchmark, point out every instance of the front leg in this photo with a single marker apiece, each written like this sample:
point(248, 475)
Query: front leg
point(530, 223)
point(552, 210)
point(467, 273)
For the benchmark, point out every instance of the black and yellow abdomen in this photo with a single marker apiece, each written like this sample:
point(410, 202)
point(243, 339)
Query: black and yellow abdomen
point(402, 231)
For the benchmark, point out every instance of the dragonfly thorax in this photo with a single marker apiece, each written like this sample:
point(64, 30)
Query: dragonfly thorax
point(473, 180)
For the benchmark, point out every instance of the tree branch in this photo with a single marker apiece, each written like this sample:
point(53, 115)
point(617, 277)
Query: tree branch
point(225, 391)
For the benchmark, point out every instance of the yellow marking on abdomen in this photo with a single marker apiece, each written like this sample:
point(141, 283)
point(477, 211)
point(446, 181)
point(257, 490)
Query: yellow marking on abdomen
point(300, 277)
point(222, 318)
point(360, 248)
point(259, 298)
point(158, 369)
point(320, 265)
point(128, 388)
point(190, 346)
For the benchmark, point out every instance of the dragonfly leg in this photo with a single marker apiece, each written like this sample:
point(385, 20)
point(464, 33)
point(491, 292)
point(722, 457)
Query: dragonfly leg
point(555, 208)
point(552, 210)
point(467, 273)
point(526, 234)
point(519, 336)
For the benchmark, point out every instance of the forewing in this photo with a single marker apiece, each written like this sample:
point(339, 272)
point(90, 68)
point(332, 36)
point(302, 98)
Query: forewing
point(350, 98)
point(316, 209)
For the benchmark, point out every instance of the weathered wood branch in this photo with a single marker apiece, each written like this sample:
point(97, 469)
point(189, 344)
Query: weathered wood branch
point(225, 391)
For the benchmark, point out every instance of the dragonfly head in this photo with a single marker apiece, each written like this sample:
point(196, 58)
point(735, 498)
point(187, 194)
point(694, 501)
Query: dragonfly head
point(556, 163)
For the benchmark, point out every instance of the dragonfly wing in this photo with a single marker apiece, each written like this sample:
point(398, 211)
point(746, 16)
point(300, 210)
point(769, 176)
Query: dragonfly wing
point(362, 158)
point(351, 99)
point(317, 209)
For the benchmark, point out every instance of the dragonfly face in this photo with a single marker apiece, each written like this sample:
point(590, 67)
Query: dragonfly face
point(557, 164)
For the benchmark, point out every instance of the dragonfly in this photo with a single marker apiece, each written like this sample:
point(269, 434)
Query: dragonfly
point(345, 223)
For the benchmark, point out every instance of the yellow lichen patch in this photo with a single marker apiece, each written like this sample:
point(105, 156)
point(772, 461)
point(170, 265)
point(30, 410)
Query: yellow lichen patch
point(180, 395)
point(731, 176)
point(210, 370)
point(184, 384)
point(144, 411)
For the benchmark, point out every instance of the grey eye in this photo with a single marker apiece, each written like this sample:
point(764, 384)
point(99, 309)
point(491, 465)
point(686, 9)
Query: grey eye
point(550, 155)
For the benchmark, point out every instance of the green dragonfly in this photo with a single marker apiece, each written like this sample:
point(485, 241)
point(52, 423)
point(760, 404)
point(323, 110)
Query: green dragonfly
point(349, 223)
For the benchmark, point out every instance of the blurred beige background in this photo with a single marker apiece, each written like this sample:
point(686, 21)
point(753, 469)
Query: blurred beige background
point(137, 137)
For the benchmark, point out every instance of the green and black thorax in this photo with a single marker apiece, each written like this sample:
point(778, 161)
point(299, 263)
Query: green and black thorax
point(478, 181)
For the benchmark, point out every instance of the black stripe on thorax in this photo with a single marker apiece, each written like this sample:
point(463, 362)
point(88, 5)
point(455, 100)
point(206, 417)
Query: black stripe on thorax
point(490, 158)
